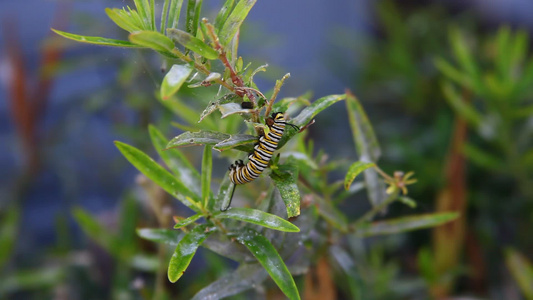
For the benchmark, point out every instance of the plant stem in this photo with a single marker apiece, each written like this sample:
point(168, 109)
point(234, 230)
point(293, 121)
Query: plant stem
point(375, 210)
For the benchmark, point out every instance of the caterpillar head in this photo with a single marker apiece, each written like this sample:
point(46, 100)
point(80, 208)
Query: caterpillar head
point(278, 116)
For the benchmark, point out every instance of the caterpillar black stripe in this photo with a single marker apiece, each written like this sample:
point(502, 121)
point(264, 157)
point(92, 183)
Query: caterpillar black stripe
point(258, 160)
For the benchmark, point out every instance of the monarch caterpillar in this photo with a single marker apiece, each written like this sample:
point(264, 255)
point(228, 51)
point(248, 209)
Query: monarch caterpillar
point(258, 160)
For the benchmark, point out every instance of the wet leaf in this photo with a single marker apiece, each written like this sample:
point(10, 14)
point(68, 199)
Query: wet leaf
point(243, 142)
point(404, 224)
point(225, 192)
point(152, 39)
point(187, 221)
point(96, 40)
point(308, 114)
point(244, 278)
point(234, 21)
point(269, 258)
point(185, 251)
point(174, 79)
point(168, 236)
point(258, 217)
point(355, 169)
point(286, 178)
point(231, 109)
point(223, 14)
point(192, 19)
point(367, 147)
point(202, 137)
point(176, 161)
point(207, 169)
point(158, 174)
point(347, 264)
point(192, 43)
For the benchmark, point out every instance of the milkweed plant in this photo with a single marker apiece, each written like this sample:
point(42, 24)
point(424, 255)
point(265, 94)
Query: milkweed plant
point(297, 219)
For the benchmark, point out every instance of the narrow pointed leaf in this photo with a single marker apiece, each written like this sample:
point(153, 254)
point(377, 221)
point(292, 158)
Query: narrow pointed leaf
point(404, 224)
point(207, 169)
point(225, 193)
point(522, 271)
point(158, 174)
point(192, 43)
point(143, 8)
point(122, 19)
point(355, 169)
point(174, 79)
point(347, 264)
point(308, 114)
point(202, 137)
point(174, 13)
point(482, 158)
point(164, 17)
point(185, 251)
point(286, 178)
point(367, 147)
point(96, 40)
point(243, 142)
point(152, 39)
point(466, 110)
point(244, 278)
point(258, 217)
point(223, 14)
point(234, 21)
point(176, 161)
point(95, 230)
point(331, 214)
point(269, 258)
point(168, 236)
point(194, 8)
point(188, 221)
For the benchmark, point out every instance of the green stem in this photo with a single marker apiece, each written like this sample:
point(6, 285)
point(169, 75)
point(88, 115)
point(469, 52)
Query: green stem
point(375, 210)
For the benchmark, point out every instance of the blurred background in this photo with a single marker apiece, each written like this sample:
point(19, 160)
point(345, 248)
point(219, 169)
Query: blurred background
point(447, 86)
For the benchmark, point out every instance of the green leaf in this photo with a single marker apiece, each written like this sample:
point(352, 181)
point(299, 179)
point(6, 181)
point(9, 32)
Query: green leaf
point(286, 178)
point(269, 258)
point(285, 103)
point(355, 169)
point(234, 21)
point(202, 137)
point(404, 224)
point(164, 17)
point(174, 79)
point(122, 19)
point(453, 74)
point(225, 193)
point(207, 169)
point(8, 232)
point(192, 43)
point(96, 231)
point(464, 109)
point(462, 53)
point(158, 174)
point(245, 277)
point(348, 266)
point(367, 147)
point(223, 14)
point(188, 221)
point(36, 280)
point(143, 8)
point(522, 271)
point(257, 217)
point(176, 161)
point(243, 142)
point(96, 40)
point(174, 14)
point(482, 158)
point(168, 236)
point(152, 39)
point(185, 251)
point(331, 214)
point(308, 114)
point(193, 16)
